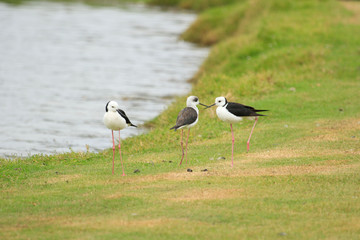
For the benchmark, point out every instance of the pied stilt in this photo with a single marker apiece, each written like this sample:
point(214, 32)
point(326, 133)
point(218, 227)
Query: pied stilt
point(234, 112)
point(187, 118)
point(115, 119)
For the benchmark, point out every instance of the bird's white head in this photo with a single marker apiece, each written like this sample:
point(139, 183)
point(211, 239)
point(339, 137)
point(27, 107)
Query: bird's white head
point(111, 106)
point(192, 101)
point(220, 101)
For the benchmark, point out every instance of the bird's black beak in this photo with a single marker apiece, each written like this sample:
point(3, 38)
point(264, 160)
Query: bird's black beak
point(204, 105)
point(210, 106)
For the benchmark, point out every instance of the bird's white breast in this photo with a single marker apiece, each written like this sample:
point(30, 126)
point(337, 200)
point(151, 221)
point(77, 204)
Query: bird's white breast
point(226, 116)
point(114, 121)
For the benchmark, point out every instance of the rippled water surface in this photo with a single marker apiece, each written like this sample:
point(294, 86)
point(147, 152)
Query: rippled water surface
point(61, 62)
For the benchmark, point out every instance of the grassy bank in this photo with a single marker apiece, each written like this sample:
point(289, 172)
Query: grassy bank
point(300, 180)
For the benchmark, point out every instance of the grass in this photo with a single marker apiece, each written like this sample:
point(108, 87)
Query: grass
point(300, 60)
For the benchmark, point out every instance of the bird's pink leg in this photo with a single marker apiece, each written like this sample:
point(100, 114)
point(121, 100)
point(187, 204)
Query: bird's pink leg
point(112, 132)
point(182, 146)
point(232, 149)
point(248, 142)
point(187, 144)
point(120, 155)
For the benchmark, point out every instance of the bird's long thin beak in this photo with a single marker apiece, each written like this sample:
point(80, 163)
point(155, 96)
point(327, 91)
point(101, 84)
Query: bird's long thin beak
point(210, 106)
point(204, 105)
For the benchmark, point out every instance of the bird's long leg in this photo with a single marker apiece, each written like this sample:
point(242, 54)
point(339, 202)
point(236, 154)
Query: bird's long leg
point(248, 141)
point(232, 149)
point(186, 145)
point(182, 146)
point(121, 156)
point(112, 132)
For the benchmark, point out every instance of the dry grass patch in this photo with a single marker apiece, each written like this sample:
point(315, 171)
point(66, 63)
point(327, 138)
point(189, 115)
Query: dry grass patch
point(323, 168)
point(301, 170)
point(117, 222)
point(114, 196)
point(292, 153)
point(171, 176)
point(205, 194)
point(273, 154)
point(336, 131)
point(354, 7)
point(88, 222)
point(349, 224)
point(63, 178)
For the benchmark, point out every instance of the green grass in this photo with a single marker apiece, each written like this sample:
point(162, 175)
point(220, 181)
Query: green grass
point(300, 60)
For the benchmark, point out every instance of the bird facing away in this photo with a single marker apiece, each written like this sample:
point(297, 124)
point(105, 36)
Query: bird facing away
point(187, 118)
point(115, 119)
point(234, 112)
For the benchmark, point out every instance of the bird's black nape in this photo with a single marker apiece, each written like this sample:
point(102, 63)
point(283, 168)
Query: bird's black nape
point(106, 109)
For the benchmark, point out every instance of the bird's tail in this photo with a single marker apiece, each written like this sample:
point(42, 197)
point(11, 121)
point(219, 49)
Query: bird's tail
point(132, 125)
point(174, 127)
point(257, 114)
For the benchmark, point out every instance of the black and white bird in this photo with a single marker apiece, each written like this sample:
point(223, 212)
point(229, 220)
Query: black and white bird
point(235, 112)
point(187, 118)
point(115, 119)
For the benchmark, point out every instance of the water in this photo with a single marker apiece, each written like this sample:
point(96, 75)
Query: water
point(61, 62)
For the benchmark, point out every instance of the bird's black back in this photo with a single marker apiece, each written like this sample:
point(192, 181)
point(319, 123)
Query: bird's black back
point(241, 110)
point(186, 116)
point(122, 114)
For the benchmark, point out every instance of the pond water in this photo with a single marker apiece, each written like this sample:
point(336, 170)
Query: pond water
point(61, 62)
